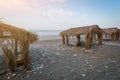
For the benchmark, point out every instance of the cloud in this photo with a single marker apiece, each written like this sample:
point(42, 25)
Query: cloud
point(35, 14)
point(15, 5)
point(37, 8)
point(54, 13)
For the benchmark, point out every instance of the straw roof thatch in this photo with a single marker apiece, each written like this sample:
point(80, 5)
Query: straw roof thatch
point(18, 33)
point(82, 30)
point(113, 33)
point(111, 30)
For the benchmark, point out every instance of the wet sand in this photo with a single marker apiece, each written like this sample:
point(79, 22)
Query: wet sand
point(50, 60)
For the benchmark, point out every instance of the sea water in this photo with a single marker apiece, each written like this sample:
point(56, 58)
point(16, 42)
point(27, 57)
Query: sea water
point(46, 32)
point(50, 34)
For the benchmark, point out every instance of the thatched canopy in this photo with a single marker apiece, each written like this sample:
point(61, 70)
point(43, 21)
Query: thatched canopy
point(82, 30)
point(88, 31)
point(112, 32)
point(15, 45)
point(18, 33)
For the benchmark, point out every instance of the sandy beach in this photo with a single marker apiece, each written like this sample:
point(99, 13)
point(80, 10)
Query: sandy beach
point(50, 60)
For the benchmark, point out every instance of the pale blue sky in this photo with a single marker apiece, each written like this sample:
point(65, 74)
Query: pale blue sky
point(60, 14)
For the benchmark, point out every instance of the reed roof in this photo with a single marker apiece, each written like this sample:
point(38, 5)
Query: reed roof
point(111, 30)
point(82, 30)
point(19, 34)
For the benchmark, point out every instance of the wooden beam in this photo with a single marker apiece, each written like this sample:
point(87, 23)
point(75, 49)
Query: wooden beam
point(63, 39)
point(16, 47)
point(87, 43)
point(99, 40)
point(78, 40)
point(67, 40)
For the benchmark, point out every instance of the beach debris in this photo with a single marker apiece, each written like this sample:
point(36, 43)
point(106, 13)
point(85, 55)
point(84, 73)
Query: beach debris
point(87, 62)
point(114, 61)
point(74, 54)
point(73, 47)
point(88, 50)
point(41, 66)
point(99, 71)
point(40, 72)
point(83, 75)
point(71, 70)
point(85, 69)
point(33, 70)
point(67, 66)
point(43, 54)
point(28, 76)
point(46, 50)
point(49, 74)
point(58, 53)
point(8, 77)
point(52, 61)
point(94, 57)
point(91, 68)
point(37, 68)
point(118, 65)
point(13, 74)
point(106, 67)
point(90, 65)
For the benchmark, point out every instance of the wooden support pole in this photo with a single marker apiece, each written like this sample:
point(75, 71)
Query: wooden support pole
point(63, 39)
point(112, 37)
point(99, 40)
point(26, 57)
point(117, 36)
point(87, 43)
point(91, 39)
point(78, 40)
point(25, 52)
point(16, 47)
point(67, 39)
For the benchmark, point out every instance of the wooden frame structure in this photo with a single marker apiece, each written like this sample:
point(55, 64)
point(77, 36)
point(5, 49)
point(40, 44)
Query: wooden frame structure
point(15, 45)
point(88, 31)
point(112, 33)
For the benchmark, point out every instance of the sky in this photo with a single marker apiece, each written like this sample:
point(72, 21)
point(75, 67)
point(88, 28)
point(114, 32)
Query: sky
point(60, 14)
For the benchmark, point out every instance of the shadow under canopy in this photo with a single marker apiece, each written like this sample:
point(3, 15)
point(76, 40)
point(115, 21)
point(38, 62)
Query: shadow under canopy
point(15, 45)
